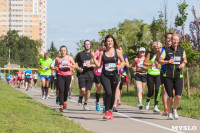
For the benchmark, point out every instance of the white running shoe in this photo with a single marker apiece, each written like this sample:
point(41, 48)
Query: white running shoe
point(140, 106)
point(175, 114)
point(43, 97)
point(147, 104)
point(85, 107)
point(155, 109)
point(170, 116)
point(46, 97)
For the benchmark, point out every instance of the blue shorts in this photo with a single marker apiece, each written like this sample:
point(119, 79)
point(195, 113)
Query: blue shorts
point(47, 78)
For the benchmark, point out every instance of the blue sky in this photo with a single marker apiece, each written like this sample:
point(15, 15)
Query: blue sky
point(69, 21)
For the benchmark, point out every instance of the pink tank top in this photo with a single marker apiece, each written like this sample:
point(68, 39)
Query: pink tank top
point(63, 68)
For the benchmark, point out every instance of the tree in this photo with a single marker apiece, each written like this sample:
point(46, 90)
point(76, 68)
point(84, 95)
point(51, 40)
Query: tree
point(23, 51)
point(180, 20)
point(53, 52)
point(195, 30)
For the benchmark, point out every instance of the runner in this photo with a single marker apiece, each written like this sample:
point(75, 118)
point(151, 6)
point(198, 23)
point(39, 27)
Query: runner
point(97, 76)
point(109, 75)
point(45, 74)
point(19, 79)
point(85, 73)
point(31, 80)
point(123, 75)
point(52, 83)
point(140, 75)
point(35, 78)
point(27, 78)
point(15, 81)
point(64, 63)
point(174, 58)
point(164, 93)
point(153, 75)
point(8, 79)
point(23, 79)
point(70, 89)
point(55, 80)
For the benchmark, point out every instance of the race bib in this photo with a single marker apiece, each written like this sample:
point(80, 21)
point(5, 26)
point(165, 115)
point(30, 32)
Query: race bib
point(110, 66)
point(140, 63)
point(63, 64)
point(99, 70)
point(177, 60)
point(86, 62)
point(46, 68)
point(154, 68)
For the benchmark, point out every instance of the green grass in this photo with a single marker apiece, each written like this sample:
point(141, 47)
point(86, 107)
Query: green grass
point(21, 114)
point(189, 107)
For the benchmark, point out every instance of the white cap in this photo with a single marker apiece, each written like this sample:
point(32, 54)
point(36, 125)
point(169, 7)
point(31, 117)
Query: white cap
point(142, 49)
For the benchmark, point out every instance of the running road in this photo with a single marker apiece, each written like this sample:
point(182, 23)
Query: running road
point(128, 119)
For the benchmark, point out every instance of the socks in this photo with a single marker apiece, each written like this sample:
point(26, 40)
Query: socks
point(97, 97)
point(43, 89)
point(46, 91)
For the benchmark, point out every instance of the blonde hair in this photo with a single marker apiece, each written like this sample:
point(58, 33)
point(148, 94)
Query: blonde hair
point(177, 36)
point(154, 44)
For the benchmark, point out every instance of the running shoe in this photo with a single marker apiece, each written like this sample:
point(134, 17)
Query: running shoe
point(79, 102)
point(61, 108)
point(175, 114)
point(65, 105)
point(114, 109)
point(104, 109)
point(98, 108)
point(27, 89)
point(106, 115)
point(147, 104)
point(70, 97)
point(155, 109)
point(85, 107)
point(43, 97)
point(111, 115)
point(57, 100)
point(46, 97)
point(140, 106)
point(119, 103)
point(170, 116)
point(165, 113)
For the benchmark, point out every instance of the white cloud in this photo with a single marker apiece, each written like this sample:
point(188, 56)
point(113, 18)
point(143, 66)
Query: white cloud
point(89, 30)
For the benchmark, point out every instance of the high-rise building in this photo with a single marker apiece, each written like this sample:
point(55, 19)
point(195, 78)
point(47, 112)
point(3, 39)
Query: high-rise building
point(28, 17)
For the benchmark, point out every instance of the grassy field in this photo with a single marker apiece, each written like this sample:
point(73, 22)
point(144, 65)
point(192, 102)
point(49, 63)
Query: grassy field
point(189, 107)
point(21, 114)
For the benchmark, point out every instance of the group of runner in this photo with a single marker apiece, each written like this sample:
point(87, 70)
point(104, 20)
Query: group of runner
point(161, 69)
point(23, 79)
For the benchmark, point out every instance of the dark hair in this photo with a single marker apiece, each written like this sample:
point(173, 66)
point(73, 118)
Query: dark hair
point(86, 41)
point(63, 46)
point(103, 43)
point(115, 43)
point(170, 33)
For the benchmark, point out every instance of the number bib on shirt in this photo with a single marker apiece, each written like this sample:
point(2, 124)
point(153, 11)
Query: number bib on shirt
point(110, 66)
point(99, 70)
point(140, 63)
point(177, 60)
point(86, 62)
point(63, 66)
point(46, 68)
point(154, 68)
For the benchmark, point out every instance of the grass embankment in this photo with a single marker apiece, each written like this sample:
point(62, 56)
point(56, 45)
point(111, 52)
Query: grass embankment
point(20, 113)
point(188, 107)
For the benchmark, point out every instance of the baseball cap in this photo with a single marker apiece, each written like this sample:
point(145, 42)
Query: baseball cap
point(142, 49)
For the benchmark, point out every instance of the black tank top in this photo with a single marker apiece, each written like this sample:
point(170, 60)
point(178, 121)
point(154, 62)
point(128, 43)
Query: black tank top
point(109, 64)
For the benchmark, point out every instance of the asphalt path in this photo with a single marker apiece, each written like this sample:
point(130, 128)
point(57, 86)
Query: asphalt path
point(128, 119)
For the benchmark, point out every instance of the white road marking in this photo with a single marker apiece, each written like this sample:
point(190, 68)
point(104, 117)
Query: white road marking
point(149, 123)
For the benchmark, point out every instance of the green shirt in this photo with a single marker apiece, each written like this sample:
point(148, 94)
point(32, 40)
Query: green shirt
point(153, 70)
point(45, 63)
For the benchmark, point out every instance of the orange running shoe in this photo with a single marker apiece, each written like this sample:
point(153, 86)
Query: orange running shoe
point(165, 113)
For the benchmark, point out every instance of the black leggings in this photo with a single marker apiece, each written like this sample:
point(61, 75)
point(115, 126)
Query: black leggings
point(63, 86)
point(122, 82)
point(153, 82)
point(109, 85)
point(52, 82)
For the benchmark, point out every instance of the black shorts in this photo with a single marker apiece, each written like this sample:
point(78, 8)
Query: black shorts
point(176, 84)
point(161, 78)
point(27, 80)
point(97, 79)
point(19, 80)
point(35, 81)
point(141, 77)
point(85, 83)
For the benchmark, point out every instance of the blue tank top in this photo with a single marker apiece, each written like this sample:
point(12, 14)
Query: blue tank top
point(163, 67)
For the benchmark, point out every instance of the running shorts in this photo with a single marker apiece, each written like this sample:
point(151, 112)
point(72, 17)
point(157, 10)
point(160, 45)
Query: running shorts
point(27, 80)
point(97, 79)
point(85, 83)
point(141, 77)
point(47, 78)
